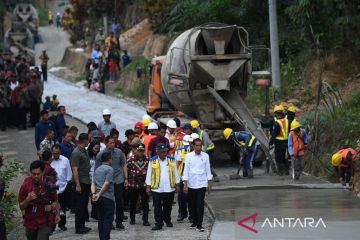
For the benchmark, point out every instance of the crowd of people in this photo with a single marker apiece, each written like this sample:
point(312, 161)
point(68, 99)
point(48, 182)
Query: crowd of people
point(21, 89)
point(106, 59)
point(156, 161)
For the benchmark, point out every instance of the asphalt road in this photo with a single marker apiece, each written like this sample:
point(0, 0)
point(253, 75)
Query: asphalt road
point(283, 213)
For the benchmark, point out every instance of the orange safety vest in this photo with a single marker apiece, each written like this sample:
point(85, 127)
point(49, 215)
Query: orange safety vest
point(298, 144)
point(344, 153)
point(284, 129)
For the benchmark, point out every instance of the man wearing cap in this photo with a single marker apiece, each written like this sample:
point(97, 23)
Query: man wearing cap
point(197, 177)
point(137, 167)
point(179, 156)
point(95, 135)
point(297, 142)
point(279, 138)
point(120, 177)
point(160, 138)
point(344, 165)
point(80, 163)
point(106, 125)
point(139, 129)
point(171, 135)
point(153, 129)
point(162, 180)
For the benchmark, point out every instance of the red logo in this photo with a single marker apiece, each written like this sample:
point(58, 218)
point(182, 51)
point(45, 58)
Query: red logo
point(242, 221)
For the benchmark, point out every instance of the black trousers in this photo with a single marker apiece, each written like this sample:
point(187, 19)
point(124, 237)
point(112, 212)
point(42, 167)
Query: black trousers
point(162, 207)
point(134, 196)
point(63, 199)
point(183, 202)
point(44, 72)
point(196, 197)
point(119, 202)
point(345, 173)
point(81, 205)
point(280, 157)
point(106, 209)
point(39, 234)
point(34, 113)
point(2, 230)
point(22, 118)
point(3, 118)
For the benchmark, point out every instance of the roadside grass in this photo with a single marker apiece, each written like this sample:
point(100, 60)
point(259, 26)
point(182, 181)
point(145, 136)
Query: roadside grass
point(334, 131)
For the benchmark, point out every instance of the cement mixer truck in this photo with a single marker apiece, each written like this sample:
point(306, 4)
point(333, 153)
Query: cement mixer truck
point(23, 33)
point(204, 76)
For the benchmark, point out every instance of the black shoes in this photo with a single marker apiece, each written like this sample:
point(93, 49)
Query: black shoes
point(180, 219)
point(156, 227)
point(63, 228)
point(193, 226)
point(169, 224)
point(200, 229)
point(146, 224)
point(83, 230)
point(120, 226)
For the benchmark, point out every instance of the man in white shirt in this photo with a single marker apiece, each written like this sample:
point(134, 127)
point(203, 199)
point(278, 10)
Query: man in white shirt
point(64, 175)
point(197, 177)
point(162, 181)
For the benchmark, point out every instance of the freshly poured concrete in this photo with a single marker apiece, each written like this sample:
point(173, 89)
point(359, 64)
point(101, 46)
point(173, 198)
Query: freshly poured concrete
point(339, 210)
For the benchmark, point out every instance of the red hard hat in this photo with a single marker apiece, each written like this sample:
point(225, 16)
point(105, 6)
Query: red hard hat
point(139, 125)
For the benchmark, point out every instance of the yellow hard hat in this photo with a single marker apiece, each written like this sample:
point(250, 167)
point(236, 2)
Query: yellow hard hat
point(295, 124)
point(279, 108)
point(293, 109)
point(336, 159)
point(194, 123)
point(146, 122)
point(227, 133)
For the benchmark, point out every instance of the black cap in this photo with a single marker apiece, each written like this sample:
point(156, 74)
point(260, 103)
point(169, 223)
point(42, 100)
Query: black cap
point(161, 147)
point(187, 126)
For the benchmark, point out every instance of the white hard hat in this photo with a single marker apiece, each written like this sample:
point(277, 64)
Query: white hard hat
point(171, 124)
point(194, 136)
point(187, 139)
point(153, 126)
point(146, 116)
point(106, 112)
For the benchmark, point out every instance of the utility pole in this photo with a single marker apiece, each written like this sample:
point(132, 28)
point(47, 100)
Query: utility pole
point(274, 44)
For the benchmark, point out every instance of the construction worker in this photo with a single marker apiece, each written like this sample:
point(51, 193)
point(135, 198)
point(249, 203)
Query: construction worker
point(344, 165)
point(146, 123)
point(162, 181)
point(248, 147)
point(297, 142)
point(290, 114)
point(139, 130)
point(180, 155)
point(208, 146)
point(171, 135)
point(153, 129)
point(279, 138)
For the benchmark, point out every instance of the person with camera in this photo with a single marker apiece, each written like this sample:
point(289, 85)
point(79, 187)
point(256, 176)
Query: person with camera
point(38, 203)
point(80, 163)
point(102, 191)
point(64, 175)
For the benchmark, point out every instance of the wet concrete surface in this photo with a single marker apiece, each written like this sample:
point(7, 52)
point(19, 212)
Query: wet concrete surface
point(338, 208)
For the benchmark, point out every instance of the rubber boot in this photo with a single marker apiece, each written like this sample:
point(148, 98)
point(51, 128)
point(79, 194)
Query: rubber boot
point(245, 173)
point(250, 173)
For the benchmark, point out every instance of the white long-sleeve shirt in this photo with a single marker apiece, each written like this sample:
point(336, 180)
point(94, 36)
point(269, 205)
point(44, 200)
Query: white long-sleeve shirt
point(197, 171)
point(63, 170)
point(164, 185)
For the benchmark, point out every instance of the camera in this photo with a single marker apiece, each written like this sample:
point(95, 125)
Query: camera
point(52, 187)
